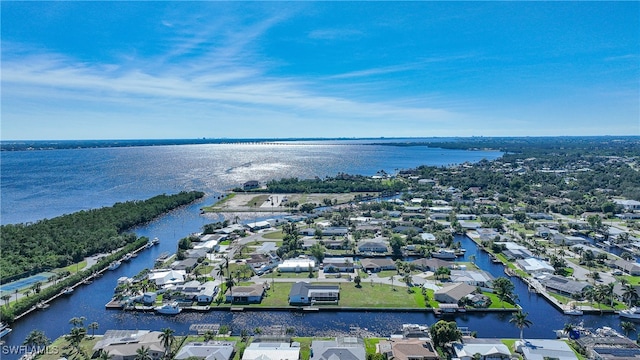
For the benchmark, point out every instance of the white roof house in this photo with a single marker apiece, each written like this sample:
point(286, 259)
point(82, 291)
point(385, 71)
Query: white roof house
point(296, 265)
point(271, 351)
point(167, 277)
point(207, 245)
point(540, 349)
point(534, 266)
point(211, 350)
point(488, 350)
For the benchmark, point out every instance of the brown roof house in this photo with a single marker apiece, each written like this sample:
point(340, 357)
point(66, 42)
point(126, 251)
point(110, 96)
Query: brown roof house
point(407, 349)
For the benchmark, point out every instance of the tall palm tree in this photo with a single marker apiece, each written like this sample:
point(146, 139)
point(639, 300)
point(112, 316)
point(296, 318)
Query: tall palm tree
point(167, 339)
point(143, 354)
point(93, 327)
point(75, 337)
point(629, 294)
point(77, 321)
point(229, 283)
point(627, 327)
point(36, 338)
point(520, 320)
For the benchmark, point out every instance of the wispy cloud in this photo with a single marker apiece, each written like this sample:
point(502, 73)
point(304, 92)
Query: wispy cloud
point(335, 34)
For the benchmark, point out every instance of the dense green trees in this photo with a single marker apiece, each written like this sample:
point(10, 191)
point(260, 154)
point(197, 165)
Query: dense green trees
point(53, 243)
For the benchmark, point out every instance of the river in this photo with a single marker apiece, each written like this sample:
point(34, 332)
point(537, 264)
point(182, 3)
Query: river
point(41, 184)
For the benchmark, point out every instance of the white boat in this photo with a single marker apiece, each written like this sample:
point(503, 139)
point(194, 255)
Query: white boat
point(632, 313)
point(126, 257)
point(114, 265)
point(4, 330)
point(574, 312)
point(67, 291)
point(444, 254)
point(155, 240)
point(163, 257)
point(168, 309)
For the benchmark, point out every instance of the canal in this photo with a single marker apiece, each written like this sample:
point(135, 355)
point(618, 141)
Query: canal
point(89, 301)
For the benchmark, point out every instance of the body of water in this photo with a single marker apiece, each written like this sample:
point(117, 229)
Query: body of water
point(45, 184)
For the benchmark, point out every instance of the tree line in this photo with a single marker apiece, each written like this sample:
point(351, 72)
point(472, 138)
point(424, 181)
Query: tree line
point(53, 243)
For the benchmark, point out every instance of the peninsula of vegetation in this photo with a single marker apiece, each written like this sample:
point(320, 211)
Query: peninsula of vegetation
point(50, 244)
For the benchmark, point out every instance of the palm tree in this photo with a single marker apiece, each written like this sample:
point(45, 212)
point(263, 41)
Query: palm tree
point(568, 328)
point(36, 338)
point(75, 337)
point(229, 283)
point(143, 354)
point(77, 321)
point(627, 327)
point(520, 320)
point(629, 294)
point(104, 355)
point(93, 326)
point(6, 298)
point(167, 339)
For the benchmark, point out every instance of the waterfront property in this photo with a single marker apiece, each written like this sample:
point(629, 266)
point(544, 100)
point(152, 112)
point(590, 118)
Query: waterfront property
point(489, 349)
point(377, 265)
point(303, 293)
point(408, 349)
point(250, 294)
point(124, 344)
point(210, 350)
point(453, 293)
point(541, 349)
point(272, 351)
point(344, 348)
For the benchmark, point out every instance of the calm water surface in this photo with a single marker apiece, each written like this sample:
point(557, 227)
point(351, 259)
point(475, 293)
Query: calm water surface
point(45, 184)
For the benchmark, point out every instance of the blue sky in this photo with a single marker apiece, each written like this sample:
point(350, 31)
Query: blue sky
point(124, 70)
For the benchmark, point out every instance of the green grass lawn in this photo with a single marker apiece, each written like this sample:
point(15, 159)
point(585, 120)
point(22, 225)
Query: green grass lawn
point(61, 348)
point(496, 303)
point(275, 235)
point(378, 295)
point(73, 268)
point(370, 345)
point(277, 295)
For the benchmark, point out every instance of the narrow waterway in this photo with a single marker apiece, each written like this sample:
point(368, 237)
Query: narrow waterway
point(89, 301)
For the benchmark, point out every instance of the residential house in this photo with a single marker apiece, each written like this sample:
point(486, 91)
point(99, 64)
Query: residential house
point(406, 229)
point(195, 254)
point(250, 294)
point(453, 293)
point(258, 225)
point(195, 291)
point(629, 205)
point(346, 348)
point(431, 264)
point(187, 264)
point(123, 344)
point(339, 264)
point(563, 286)
point(297, 265)
point(632, 268)
point(477, 278)
point(489, 349)
point(377, 265)
point(164, 277)
point(478, 300)
point(606, 345)
point(428, 237)
point(535, 266)
point(271, 351)
point(543, 349)
point(210, 350)
point(408, 349)
point(328, 231)
point(303, 293)
point(371, 246)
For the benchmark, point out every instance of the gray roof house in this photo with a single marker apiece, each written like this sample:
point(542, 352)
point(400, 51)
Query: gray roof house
point(338, 264)
point(487, 348)
point(211, 350)
point(431, 264)
point(630, 267)
point(479, 278)
point(453, 293)
point(303, 293)
point(245, 294)
point(541, 349)
point(347, 348)
point(562, 285)
point(123, 344)
point(377, 265)
point(373, 247)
